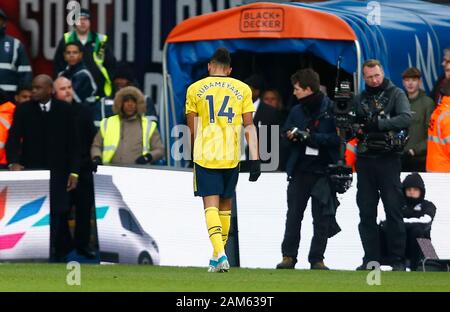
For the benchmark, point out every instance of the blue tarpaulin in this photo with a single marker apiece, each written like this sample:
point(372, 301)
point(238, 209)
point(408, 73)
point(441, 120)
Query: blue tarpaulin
point(400, 35)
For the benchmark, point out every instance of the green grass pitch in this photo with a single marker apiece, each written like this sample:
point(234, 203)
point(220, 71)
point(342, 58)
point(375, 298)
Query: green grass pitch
point(46, 277)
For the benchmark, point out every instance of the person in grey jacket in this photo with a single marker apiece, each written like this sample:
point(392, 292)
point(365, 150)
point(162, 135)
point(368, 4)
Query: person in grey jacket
point(422, 106)
point(383, 110)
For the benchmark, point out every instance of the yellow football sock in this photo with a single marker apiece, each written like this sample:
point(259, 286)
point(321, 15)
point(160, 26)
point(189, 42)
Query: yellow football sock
point(214, 229)
point(225, 220)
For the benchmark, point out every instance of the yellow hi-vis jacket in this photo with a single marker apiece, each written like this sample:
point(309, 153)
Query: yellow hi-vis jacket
point(110, 131)
point(98, 56)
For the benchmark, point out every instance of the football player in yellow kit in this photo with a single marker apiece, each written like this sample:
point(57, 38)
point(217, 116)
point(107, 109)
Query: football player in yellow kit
point(217, 107)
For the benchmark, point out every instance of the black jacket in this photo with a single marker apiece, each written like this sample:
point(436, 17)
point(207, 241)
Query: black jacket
point(394, 105)
point(86, 132)
point(324, 137)
point(436, 92)
point(268, 116)
point(83, 84)
point(417, 211)
point(39, 140)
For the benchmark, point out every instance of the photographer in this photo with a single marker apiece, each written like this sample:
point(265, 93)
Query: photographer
point(313, 145)
point(383, 111)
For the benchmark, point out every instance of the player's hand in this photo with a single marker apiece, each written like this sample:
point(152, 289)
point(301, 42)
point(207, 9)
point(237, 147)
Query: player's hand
point(72, 183)
point(255, 170)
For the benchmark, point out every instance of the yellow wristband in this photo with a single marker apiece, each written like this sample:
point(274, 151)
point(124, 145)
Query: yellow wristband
point(74, 175)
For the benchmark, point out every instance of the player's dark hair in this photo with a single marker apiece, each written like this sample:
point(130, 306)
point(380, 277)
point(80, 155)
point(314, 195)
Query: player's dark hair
point(307, 78)
point(74, 43)
point(221, 57)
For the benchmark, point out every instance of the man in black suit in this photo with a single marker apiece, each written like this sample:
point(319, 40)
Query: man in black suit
point(43, 136)
point(82, 198)
point(264, 116)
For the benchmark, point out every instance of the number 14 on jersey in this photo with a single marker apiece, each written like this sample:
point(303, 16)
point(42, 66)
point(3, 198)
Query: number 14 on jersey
point(222, 112)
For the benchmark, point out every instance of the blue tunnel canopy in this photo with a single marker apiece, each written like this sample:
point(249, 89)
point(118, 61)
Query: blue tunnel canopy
point(400, 35)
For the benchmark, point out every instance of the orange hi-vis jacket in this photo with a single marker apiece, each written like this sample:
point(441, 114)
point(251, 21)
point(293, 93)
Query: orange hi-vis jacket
point(6, 118)
point(350, 153)
point(438, 147)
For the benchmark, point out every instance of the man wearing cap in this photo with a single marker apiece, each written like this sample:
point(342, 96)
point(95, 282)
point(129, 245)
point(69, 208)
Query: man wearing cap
point(97, 56)
point(422, 106)
point(15, 69)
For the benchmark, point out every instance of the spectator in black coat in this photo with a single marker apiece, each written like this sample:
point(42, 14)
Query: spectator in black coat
point(43, 136)
point(82, 198)
point(265, 116)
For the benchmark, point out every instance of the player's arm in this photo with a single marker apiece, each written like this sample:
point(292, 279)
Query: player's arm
point(191, 118)
point(252, 141)
point(251, 136)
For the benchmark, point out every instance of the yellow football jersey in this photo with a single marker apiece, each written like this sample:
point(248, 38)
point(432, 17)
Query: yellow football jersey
point(220, 103)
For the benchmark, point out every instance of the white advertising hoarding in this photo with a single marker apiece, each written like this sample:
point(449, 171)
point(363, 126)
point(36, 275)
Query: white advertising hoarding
point(152, 216)
point(262, 216)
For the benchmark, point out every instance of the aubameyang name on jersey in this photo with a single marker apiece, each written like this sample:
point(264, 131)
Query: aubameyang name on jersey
point(220, 84)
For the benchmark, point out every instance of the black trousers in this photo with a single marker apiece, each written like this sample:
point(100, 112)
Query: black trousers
point(60, 237)
point(82, 198)
point(412, 251)
point(380, 177)
point(298, 194)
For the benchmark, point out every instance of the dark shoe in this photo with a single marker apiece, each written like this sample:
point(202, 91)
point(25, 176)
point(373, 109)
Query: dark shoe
point(319, 266)
point(363, 267)
point(287, 263)
point(398, 266)
point(58, 259)
point(89, 254)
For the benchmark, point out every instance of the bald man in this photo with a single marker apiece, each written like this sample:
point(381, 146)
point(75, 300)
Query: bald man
point(43, 137)
point(63, 90)
point(83, 196)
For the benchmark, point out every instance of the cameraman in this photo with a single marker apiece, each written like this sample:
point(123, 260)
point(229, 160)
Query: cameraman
point(313, 145)
point(383, 109)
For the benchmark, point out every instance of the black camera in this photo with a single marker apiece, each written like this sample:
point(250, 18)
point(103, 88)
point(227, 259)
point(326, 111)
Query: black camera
point(340, 174)
point(299, 135)
point(341, 177)
point(343, 97)
point(344, 112)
